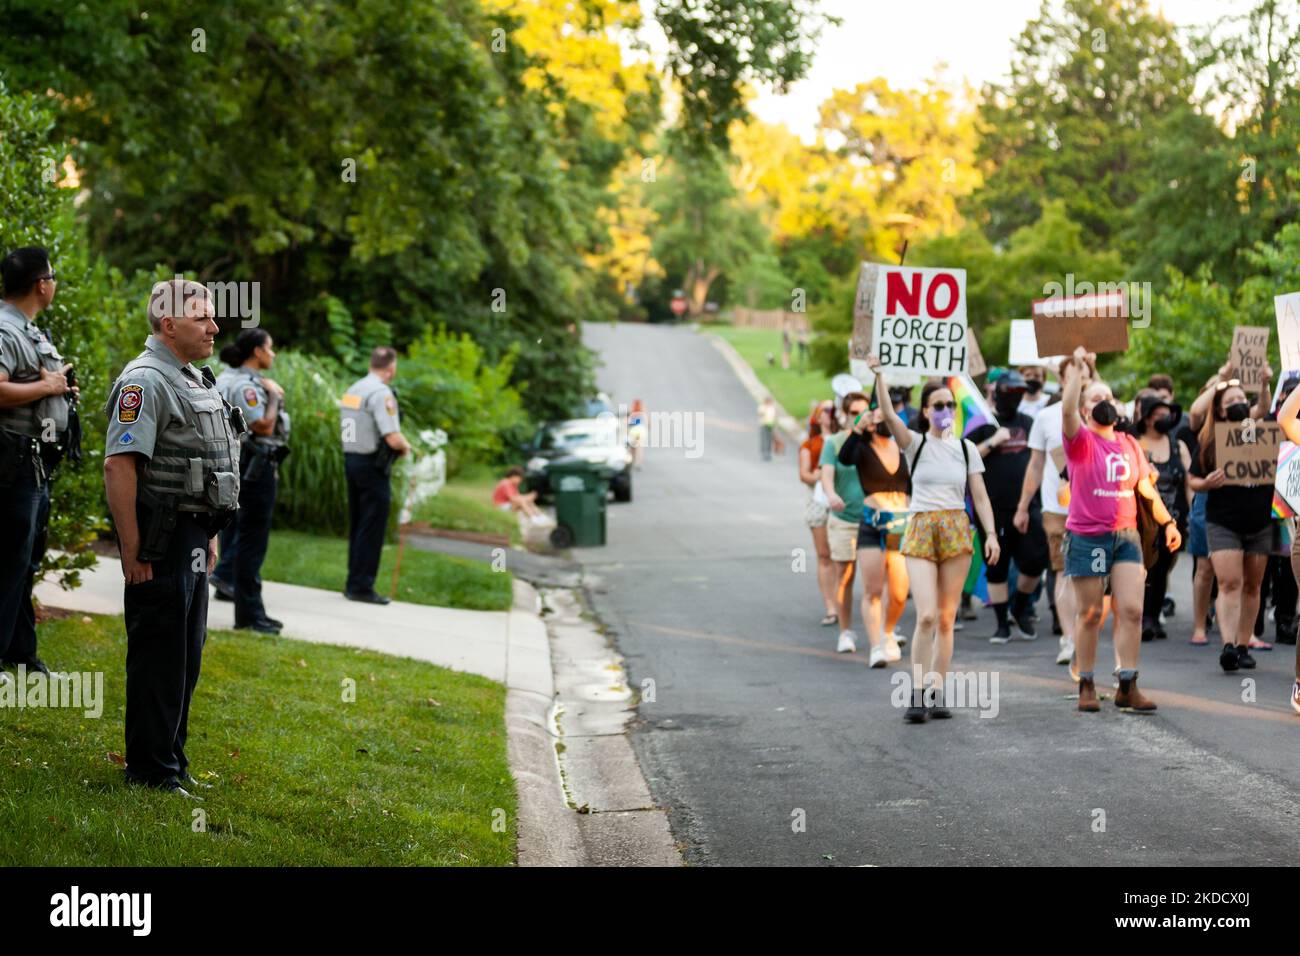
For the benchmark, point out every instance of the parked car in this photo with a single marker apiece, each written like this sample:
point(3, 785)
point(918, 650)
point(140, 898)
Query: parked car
point(596, 440)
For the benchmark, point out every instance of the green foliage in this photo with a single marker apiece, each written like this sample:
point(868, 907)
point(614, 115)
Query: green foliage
point(97, 319)
point(716, 49)
point(446, 382)
point(1089, 82)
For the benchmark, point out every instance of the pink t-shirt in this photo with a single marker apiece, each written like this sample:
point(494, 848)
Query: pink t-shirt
point(1103, 476)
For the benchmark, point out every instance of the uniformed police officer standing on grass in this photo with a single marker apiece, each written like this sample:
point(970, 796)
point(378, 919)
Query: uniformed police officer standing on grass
point(171, 471)
point(34, 415)
point(372, 438)
point(262, 448)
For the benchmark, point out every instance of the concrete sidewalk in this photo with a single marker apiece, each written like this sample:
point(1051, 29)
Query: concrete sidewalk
point(507, 646)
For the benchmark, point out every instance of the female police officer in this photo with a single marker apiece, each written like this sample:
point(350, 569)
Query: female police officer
point(243, 544)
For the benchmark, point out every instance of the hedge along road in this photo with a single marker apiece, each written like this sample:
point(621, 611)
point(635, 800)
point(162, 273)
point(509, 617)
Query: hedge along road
point(755, 718)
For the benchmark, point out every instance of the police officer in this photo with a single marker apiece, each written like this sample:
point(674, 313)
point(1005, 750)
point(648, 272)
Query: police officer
point(171, 472)
point(34, 415)
point(372, 438)
point(262, 448)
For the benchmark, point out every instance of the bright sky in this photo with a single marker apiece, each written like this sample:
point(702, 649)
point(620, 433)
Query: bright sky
point(903, 41)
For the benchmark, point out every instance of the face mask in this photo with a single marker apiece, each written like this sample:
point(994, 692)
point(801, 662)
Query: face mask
point(1165, 425)
point(1033, 386)
point(1105, 413)
point(882, 429)
point(1237, 411)
point(942, 419)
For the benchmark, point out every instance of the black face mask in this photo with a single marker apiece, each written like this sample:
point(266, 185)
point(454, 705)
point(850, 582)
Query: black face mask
point(1033, 386)
point(882, 429)
point(1237, 412)
point(1166, 424)
point(1105, 413)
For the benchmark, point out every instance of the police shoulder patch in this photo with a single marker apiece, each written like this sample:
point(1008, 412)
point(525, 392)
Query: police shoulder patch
point(129, 400)
point(390, 403)
point(250, 397)
point(126, 439)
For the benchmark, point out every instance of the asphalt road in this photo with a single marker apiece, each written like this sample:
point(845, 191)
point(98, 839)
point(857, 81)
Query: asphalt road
point(756, 718)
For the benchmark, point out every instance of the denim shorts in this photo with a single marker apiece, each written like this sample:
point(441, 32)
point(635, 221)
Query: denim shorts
point(1093, 555)
point(1198, 544)
point(881, 529)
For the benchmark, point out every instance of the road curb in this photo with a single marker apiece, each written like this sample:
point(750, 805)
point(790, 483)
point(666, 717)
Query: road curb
point(757, 390)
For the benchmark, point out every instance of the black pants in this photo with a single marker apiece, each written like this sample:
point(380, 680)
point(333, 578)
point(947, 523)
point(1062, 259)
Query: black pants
point(166, 627)
point(369, 497)
point(243, 544)
point(24, 516)
point(1029, 550)
point(1157, 585)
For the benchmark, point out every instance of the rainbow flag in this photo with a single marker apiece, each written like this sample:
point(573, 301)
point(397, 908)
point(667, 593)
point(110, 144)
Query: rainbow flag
point(1280, 508)
point(972, 410)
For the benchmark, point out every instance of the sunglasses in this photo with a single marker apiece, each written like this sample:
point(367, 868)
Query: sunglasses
point(53, 276)
point(940, 406)
point(1230, 383)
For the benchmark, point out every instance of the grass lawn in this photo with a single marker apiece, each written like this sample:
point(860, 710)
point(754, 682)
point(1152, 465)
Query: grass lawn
point(427, 578)
point(794, 390)
point(465, 504)
point(412, 773)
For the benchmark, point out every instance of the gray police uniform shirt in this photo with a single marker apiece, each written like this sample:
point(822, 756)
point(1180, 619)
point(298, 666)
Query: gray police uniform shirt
point(244, 388)
point(371, 408)
point(185, 438)
point(24, 351)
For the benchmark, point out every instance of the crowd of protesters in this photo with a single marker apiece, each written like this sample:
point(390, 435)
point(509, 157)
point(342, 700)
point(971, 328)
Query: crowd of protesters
point(1071, 497)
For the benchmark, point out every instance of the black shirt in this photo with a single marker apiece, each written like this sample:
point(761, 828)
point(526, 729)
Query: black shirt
point(1005, 466)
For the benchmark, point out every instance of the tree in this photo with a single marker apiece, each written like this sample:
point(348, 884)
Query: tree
point(1089, 82)
point(716, 48)
point(704, 230)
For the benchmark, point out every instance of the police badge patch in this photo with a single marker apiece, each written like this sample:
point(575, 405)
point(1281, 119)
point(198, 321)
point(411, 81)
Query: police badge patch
point(390, 405)
point(250, 397)
point(128, 403)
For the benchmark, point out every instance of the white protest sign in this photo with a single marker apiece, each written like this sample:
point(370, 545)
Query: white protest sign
point(1023, 347)
point(1288, 328)
point(919, 321)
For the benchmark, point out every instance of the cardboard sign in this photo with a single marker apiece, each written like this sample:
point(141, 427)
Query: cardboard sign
point(977, 366)
point(1023, 347)
point(1250, 355)
point(1097, 322)
point(1247, 452)
point(919, 321)
point(1288, 328)
point(864, 303)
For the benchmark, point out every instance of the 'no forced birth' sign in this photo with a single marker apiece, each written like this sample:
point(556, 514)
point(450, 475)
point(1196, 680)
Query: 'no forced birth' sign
point(919, 320)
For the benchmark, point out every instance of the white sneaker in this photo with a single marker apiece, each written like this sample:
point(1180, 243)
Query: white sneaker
point(899, 639)
point(892, 654)
point(848, 643)
point(1066, 650)
point(878, 656)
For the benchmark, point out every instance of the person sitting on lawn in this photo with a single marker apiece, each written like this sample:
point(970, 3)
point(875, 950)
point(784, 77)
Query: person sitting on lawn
point(507, 497)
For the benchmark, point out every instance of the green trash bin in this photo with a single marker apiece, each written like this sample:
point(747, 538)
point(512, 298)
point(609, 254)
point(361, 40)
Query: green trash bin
point(580, 488)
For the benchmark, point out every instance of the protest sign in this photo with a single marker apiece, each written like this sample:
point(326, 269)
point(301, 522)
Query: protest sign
point(977, 366)
point(1250, 355)
point(864, 303)
point(1286, 485)
point(1023, 347)
point(1097, 322)
point(1288, 328)
point(1247, 451)
point(919, 321)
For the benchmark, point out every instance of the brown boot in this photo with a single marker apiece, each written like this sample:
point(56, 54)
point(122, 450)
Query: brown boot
point(1128, 697)
point(1088, 696)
